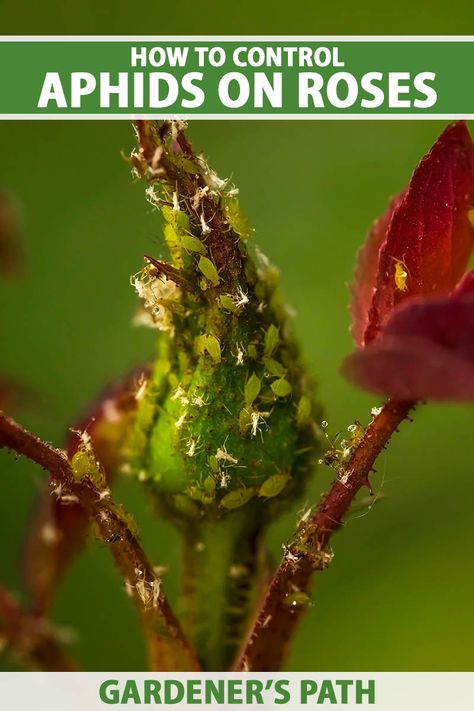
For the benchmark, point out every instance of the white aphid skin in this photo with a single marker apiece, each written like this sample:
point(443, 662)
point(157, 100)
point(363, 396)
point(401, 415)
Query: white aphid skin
point(257, 419)
point(156, 292)
point(224, 480)
point(213, 181)
point(180, 394)
point(191, 450)
point(175, 202)
point(69, 499)
point(142, 386)
point(180, 421)
point(223, 455)
point(242, 298)
point(239, 356)
point(85, 438)
point(205, 229)
point(198, 196)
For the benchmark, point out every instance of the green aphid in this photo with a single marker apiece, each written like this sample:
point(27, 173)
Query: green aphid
point(273, 486)
point(209, 270)
point(245, 421)
point(228, 303)
point(252, 388)
point(83, 464)
point(303, 412)
point(210, 344)
point(177, 218)
point(252, 351)
point(236, 218)
point(80, 464)
point(272, 338)
point(192, 244)
point(209, 485)
point(236, 499)
point(184, 505)
point(184, 163)
point(297, 599)
point(273, 367)
point(281, 387)
point(201, 493)
point(213, 348)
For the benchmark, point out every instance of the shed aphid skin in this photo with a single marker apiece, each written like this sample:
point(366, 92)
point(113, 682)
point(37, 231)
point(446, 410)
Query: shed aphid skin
point(224, 434)
point(175, 202)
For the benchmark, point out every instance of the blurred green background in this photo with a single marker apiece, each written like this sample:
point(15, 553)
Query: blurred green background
point(399, 593)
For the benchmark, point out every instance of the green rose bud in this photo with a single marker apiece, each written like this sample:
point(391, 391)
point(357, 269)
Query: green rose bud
point(225, 431)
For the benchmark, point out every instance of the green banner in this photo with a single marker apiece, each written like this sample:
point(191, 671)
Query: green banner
point(239, 77)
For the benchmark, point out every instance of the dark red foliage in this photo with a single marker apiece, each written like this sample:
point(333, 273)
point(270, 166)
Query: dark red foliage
point(427, 231)
point(415, 333)
point(425, 352)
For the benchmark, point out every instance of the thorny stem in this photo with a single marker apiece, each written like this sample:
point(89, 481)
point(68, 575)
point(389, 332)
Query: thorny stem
point(168, 648)
point(30, 638)
point(276, 620)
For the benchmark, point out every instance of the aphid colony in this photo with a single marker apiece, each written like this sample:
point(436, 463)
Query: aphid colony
point(225, 418)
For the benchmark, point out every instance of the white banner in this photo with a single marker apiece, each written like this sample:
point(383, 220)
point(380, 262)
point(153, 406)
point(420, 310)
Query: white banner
point(388, 691)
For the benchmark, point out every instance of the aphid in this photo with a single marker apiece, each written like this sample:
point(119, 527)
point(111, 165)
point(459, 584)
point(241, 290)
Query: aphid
point(401, 276)
point(273, 486)
point(237, 498)
point(357, 432)
point(209, 270)
point(175, 202)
